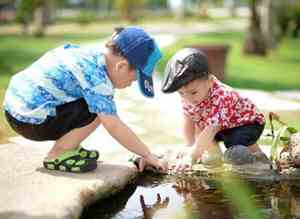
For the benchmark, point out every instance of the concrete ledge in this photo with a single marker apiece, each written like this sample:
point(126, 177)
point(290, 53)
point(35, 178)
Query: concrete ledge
point(30, 191)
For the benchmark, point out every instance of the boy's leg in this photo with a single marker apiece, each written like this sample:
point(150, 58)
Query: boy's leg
point(239, 155)
point(241, 144)
point(254, 148)
point(213, 155)
point(215, 147)
point(259, 154)
point(72, 139)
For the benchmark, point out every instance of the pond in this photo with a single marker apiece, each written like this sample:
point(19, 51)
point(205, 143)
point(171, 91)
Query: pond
point(189, 197)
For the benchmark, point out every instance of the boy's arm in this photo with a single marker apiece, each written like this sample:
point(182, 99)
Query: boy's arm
point(125, 136)
point(205, 141)
point(188, 131)
point(184, 153)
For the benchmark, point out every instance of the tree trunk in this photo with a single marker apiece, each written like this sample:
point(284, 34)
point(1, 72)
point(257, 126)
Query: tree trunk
point(43, 16)
point(39, 22)
point(255, 43)
point(177, 8)
point(297, 28)
point(25, 28)
point(270, 23)
point(231, 5)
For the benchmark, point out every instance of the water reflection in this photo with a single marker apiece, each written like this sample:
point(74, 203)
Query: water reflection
point(286, 201)
point(158, 197)
point(201, 199)
point(150, 210)
point(110, 207)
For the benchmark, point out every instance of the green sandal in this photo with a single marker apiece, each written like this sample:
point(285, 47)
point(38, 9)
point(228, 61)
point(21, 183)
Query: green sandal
point(88, 154)
point(71, 161)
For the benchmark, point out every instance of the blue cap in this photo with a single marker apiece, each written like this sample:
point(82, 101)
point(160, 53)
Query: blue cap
point(142, 52)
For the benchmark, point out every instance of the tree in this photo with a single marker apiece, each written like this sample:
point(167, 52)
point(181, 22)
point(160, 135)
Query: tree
point(178, 8)
point(129, 8)
point(270, 22)
point(43, 16)
point(289, 17)
point(255, 42)
point(25, 10)
point(231, 5)
point(39, 11)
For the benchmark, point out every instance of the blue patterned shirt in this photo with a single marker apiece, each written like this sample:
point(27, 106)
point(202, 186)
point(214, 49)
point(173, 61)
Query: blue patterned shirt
point(62, 75)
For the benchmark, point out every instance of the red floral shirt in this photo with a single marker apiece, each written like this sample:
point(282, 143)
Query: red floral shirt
point(224, 107)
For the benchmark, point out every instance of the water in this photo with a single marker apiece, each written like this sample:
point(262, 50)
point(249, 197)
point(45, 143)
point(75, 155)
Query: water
point(163, 197)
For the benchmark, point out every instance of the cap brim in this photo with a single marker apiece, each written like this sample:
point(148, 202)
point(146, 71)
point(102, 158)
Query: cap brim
point(144, 75)
point(145, 84)
point(185, 66)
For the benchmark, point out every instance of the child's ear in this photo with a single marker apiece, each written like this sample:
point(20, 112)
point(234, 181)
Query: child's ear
point(122, 66)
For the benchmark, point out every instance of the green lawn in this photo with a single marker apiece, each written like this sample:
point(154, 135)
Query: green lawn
point(17, 52)
point(280, 70)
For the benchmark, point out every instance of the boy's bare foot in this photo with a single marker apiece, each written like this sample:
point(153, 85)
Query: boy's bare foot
point(261, 157)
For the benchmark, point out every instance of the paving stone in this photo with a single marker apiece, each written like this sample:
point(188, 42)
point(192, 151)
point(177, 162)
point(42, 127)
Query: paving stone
point(30, 191)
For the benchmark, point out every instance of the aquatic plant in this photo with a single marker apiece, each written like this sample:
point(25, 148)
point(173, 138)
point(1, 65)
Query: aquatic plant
point(281, 138)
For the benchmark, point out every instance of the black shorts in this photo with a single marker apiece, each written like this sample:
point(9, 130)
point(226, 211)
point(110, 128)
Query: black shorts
point(243, 135)
point(69, 116)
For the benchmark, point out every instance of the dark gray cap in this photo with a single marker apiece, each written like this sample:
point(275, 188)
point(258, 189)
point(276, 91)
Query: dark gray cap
point(185, 66)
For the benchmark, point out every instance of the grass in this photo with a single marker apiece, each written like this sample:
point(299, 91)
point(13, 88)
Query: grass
point(17, 52)
point(279, 71)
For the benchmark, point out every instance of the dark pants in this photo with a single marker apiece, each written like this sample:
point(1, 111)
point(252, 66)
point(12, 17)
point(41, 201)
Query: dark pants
point(69, 116)
point(242, 135)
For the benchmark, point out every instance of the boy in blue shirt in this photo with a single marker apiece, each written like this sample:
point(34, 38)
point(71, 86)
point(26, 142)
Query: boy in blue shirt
point(67, 93)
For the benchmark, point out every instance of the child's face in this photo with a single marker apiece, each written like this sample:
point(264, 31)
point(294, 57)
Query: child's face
point(196, 91)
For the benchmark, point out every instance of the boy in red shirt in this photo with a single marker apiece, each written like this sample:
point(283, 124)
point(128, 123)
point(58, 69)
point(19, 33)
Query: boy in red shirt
point(213, 111)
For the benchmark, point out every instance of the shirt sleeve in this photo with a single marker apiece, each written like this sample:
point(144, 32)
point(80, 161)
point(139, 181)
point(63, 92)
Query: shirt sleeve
point(100, 103)
point(97, 88)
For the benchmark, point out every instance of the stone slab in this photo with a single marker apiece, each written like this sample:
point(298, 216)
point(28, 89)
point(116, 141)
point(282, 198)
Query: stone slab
point(30, 191)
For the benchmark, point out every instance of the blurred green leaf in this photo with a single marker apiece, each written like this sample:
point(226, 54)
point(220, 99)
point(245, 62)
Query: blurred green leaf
point(292, 130)
point(246, 207)
point(283, 138)
point(276, 142)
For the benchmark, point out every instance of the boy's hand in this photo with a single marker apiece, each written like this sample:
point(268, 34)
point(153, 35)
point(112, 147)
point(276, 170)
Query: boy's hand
point(161, 165)
point(149, 210)
point(184, 151)
point(183, 159)
point(197, 154)
point(183, 164)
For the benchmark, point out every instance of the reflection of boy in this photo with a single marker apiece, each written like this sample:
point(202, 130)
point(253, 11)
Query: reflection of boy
point(212, 110)
point(150, 210)
point(67, 93)
point(201, 200)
